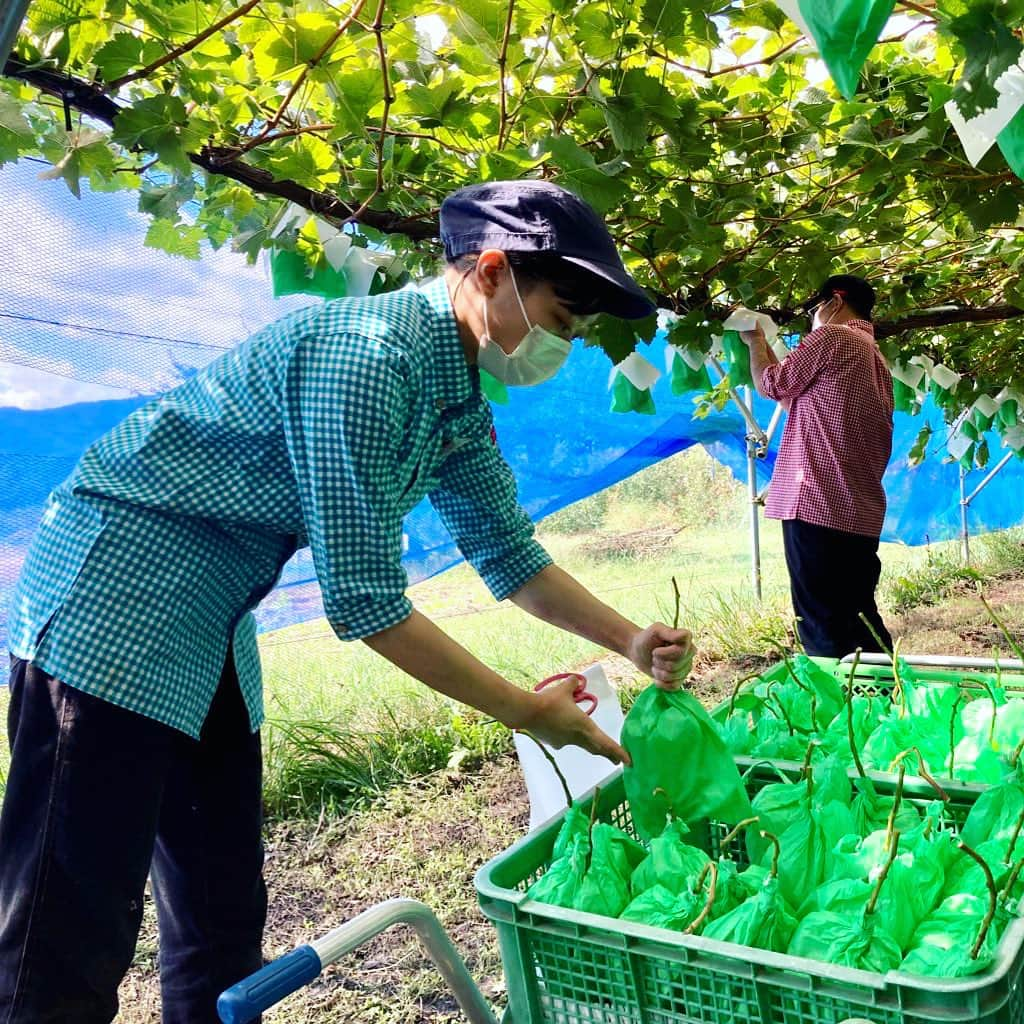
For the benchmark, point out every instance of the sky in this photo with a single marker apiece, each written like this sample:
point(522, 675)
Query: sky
point(83, 263)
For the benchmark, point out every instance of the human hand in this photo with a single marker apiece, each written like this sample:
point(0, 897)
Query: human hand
point(755, 336)
point(556, 719)
point(664, 653)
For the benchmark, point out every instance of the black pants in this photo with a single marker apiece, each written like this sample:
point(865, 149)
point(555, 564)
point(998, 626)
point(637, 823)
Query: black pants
point(97, 797)
point(832, 578)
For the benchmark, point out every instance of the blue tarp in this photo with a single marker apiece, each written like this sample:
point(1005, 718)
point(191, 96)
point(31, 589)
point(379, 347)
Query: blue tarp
point(125, 323)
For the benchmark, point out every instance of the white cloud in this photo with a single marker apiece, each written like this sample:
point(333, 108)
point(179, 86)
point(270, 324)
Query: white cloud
point(84, 262)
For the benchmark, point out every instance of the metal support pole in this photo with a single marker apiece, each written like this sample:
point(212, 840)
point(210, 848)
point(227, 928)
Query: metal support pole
point(966, 499)
point(11, 17)
point(965, 537)
point(756, 447)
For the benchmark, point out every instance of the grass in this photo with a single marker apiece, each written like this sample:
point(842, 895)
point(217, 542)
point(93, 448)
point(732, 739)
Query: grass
point(943, 571)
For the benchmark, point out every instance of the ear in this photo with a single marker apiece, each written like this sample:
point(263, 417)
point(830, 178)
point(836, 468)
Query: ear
point(491, 268)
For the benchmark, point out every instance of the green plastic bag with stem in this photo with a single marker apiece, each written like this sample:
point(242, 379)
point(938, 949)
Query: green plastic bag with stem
point(680, 766)
point(764, 920)
point(807, 857)
point(613, 857)
point(957, 939)
point(917, 870)
point(684, 911)
point(671, 862)
point(859, 717)
point(823, 689)
point(996, 813)
point(857, 939)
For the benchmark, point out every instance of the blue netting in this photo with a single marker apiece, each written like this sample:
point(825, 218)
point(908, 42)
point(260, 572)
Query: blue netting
point(92, 324)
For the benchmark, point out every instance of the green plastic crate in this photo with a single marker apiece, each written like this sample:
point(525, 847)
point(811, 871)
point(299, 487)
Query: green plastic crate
point(877, 680)
point(566, 967)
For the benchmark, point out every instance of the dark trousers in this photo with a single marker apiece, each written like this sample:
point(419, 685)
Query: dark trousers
point(97, 798)
point(832, 578)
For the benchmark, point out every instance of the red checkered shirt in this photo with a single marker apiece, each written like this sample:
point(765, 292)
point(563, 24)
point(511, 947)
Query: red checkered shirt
point(838, 437)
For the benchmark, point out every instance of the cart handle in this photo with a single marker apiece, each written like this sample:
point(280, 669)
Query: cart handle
point(941, 661)
point(246, 1000)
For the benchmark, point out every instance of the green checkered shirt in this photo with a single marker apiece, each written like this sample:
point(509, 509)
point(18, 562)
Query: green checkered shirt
point(323, 429)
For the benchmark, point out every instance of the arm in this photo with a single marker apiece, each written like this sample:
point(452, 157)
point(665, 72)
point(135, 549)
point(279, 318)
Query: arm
point(418, 647)
point(797, 372)
point(660, 651)
point(477, 502)
point(761, 356)
point(343, 415)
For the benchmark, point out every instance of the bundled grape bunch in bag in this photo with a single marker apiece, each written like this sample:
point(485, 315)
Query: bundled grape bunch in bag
point(968, 730)
point(833, 871)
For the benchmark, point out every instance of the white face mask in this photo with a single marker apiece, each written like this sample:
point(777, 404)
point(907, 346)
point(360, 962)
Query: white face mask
point(537, 358)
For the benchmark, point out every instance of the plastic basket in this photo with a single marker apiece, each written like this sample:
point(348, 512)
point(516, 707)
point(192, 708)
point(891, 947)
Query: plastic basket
point(874, 681)
point(566, 967)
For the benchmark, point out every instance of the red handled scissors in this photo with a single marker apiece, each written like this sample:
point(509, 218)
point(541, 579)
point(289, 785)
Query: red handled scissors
point(580, 694)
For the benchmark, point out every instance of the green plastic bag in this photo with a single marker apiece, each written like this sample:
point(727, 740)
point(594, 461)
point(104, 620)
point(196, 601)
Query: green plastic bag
point(807, 857)
point(671, 863)
point(1009, 729)
point(764, 921)
point(829, 694)
point(732, 888)
point(605, 886)
point(849, 897)
point(871, 810)
point(575, 824)
point(494, 390)
point(685, 379)
point(858, 941)
point(290, 274)
point(894, 735)
point(776, 806)
point(944, 941)
point(737, 735)
point(867, 712)
point(737, 355)
point(772, 739)
point(681, 768)
point(845, 32)
point(627, 397)
point(662, 908)
point(995, 814)
point(967, 878)
point(903, 396)
point(974, 760)
point(560, 884)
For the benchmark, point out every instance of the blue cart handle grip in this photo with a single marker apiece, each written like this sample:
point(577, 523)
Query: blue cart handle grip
point(245, 1001)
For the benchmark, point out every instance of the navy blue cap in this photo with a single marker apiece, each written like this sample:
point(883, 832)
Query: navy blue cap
point(536, 216)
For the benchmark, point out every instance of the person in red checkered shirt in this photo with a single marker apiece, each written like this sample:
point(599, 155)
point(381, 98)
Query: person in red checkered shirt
point(827, 483)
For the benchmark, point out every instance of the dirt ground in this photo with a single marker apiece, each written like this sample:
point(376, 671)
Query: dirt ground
point(428, 840)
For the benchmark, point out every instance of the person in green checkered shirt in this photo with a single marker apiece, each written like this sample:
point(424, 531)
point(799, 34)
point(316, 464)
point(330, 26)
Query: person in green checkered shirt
point(135, 683)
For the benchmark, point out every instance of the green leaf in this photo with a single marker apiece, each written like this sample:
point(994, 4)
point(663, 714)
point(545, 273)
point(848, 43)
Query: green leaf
point(581, 174)
point(664, 17)
point(124, 53)
point(16, 135)
point(615, 336)
point(991, 48)
point(177, 239)
point(155, 125)
point(293, 44)
point(307, 160)
point(999, 207)
point(164, 201)
point(46, 15)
